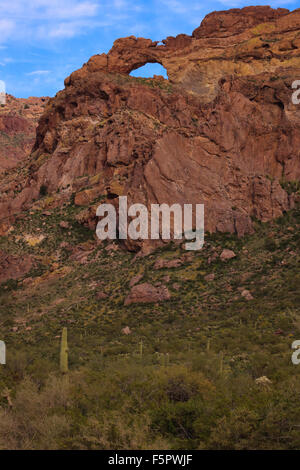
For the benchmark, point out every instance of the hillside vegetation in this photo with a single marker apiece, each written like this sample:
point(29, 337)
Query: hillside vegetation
point(176, 374)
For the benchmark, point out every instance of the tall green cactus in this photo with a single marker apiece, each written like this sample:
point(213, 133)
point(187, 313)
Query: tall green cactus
point(64, 352)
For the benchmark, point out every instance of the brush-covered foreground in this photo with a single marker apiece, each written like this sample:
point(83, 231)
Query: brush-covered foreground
point(184, 375)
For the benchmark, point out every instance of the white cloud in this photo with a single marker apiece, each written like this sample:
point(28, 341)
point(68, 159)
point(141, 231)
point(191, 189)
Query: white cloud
point(71, 9)
point(54, 20)
point(39, 72)
point(44, 19)
point(49, 20)
point(65, 30)
point(41, 9)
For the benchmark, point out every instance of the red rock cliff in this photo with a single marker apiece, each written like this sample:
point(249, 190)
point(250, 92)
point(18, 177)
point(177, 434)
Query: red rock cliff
point(222, 130)
point(18, 122)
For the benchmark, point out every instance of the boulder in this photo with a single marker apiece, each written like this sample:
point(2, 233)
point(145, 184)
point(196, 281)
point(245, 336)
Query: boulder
point(147, 293)
point(227, 254)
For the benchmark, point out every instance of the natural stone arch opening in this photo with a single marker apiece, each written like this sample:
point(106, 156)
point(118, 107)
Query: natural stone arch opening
point(149, 70)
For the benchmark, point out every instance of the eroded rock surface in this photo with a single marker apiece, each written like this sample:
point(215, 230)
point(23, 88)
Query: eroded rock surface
point(18, 121)
point(222, 130)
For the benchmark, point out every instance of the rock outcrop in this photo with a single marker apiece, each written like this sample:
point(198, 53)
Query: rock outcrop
point(222, 130)
point(239, 42)
point(147, 293)
point(18, 121)
point(14, 267)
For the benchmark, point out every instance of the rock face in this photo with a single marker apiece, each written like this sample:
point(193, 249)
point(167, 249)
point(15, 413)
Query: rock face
point(222, 130)
point(18, 121)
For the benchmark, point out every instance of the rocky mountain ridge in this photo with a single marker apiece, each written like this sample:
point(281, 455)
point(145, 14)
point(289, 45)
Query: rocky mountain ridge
point(222, 130)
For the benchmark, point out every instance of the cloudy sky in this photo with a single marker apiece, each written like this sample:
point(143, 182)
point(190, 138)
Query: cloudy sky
point(43, 41)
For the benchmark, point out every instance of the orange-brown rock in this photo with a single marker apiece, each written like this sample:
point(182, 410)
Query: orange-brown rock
point(222, 130)
point(227, 254)
point(233, 42)
point(147, 293)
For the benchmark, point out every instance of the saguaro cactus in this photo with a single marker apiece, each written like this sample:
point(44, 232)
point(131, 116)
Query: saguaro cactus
point(64, 351)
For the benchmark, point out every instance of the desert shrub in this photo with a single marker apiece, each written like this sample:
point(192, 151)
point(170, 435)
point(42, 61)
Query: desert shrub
point(120, 429)
point(36, 419)
point(234, 432)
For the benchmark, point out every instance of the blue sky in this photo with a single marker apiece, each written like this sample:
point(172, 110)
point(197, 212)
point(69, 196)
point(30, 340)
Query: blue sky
point(43, 41)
